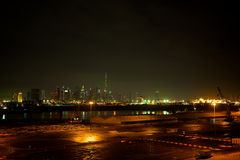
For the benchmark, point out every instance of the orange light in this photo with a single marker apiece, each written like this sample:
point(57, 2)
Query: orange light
point(214, 104)
point(87, 138)
point(91, 103)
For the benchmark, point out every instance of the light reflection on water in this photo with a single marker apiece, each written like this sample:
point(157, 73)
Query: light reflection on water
point(193, 127)
point(143, 131)
point(66, 115)
point(87, 137)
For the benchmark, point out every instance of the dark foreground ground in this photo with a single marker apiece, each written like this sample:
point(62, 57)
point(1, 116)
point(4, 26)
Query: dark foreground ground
point(180, 140)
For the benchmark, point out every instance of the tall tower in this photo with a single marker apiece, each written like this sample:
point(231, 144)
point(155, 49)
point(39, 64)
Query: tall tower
point(106, 83)
point(105, 88)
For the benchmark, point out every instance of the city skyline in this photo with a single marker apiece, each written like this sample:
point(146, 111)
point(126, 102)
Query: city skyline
point(105, 86)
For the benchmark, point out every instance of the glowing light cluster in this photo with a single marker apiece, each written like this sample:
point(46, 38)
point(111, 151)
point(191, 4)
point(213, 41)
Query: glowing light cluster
point(91, 103)
point(209, 101)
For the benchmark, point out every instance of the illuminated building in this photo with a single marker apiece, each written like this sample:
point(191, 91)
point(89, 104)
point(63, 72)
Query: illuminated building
point(105, 91)
point(62, 93)
point(20, 97)
point(43, 95)
point(157, 96)
point(110, 96)
point(90, 94)
point(97, 94)
point(83, 94)
point(66, 94)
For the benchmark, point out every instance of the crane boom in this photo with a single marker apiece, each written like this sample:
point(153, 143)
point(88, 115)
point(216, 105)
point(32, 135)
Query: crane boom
point(219, 92)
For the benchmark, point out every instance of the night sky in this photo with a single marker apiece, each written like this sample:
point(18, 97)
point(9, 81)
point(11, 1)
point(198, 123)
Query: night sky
point(184, 49)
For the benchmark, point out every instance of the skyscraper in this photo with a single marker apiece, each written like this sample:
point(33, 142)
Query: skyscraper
point(66, 94)
point(105, 91)
point(97, 94)
point(83, 94)
point(57, 95)
point(157, 96)
point(62, 94)
point(15, 97)
point(36, 95)
point(76, 93)
point(43, 95)
point(20, 97)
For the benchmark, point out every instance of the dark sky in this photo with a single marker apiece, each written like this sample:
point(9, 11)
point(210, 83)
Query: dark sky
point(181, 48)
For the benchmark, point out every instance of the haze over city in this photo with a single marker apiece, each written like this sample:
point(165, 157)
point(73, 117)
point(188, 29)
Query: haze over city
point(183, 49)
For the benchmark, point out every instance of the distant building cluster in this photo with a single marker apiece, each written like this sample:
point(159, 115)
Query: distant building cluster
point(62, 95)
point(97, 95)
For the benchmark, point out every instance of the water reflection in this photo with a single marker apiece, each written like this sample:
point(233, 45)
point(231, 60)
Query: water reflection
point(25, 115)
point(69, 115)
point(3, 117)
point(87, 137)
point(193, 127)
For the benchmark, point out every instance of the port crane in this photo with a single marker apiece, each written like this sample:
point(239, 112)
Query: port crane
point(229, 118)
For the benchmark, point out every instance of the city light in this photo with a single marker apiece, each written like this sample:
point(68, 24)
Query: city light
point(209, 101)
point(91, 103)
point(214, 104)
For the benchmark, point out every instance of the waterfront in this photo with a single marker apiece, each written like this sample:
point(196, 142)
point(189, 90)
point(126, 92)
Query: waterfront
point(70, 115)
point(161, 140)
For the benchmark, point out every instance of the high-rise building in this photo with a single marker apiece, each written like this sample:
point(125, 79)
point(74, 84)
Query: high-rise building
point(76, 93)
point(105, 91)
point(36, 95)
point(57, 95)
point(28, 96)
point(157, 96)
point(106, 83)
point(65, 94)
point(83, 94)
point(15, 97)
point(43, 95)
point(90, 94)
point(62, 93)
point(98, 94)
point(110, 96)
point(20, 97)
